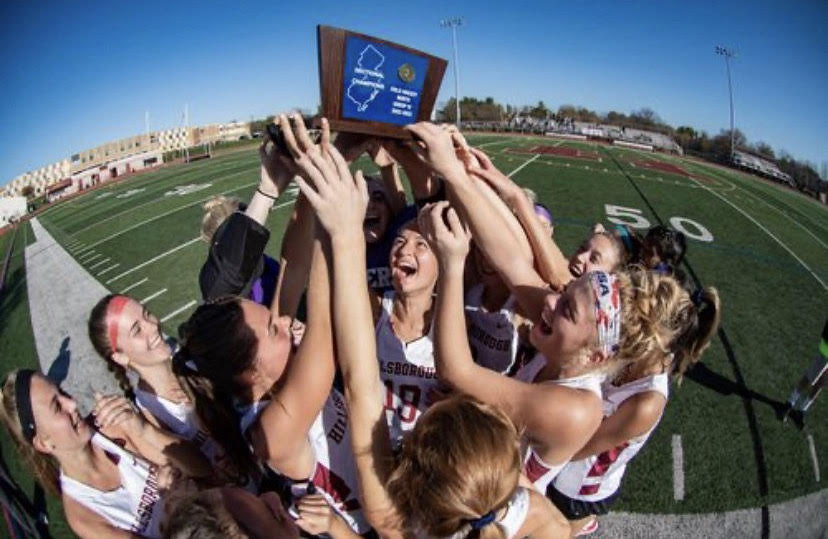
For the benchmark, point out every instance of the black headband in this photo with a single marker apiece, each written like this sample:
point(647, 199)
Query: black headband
point(22, 388)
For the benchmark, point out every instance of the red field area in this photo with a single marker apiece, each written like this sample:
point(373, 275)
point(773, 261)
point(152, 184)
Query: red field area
point(557, 150)
point(663, 167)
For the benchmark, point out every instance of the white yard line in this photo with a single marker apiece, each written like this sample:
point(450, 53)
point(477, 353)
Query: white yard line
point(82, 249)
point(519, 168)
point(84, 255)
point(133, 285)
point(788, 217)
point(678, 468)
point(167, 213)
point(178, 311)
point(765, 230)
point(93, 257)
point(98, 263)
point(155, 258)
point(814, 460)
point(107, 270)
point(153, 201)
point(153, 296)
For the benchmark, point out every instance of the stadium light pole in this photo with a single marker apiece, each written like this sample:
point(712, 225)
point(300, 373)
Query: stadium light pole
point(728, 54)
point(453, 23)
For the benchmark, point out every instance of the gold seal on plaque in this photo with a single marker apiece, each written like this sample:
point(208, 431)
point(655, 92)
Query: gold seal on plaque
point(406, 73)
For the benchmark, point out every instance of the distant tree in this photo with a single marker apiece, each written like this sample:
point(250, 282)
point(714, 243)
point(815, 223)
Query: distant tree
point(27, 191)
point(764, 149)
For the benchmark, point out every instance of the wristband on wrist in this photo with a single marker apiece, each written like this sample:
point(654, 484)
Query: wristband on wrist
point(271, 197)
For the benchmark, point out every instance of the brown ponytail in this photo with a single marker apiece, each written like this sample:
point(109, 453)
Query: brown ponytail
point(699, 328)
point(45, 468)
point(99, 336)
point(219, 344)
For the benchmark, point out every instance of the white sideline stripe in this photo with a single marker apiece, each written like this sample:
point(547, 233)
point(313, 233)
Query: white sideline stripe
point(165, 214)
point(523, 165)
point(178, 311)
point(791, 219)
point(765, 230)
point(678, 468)
point(133, 285)
point(153, 259)
point(153, 296)
point(93, 257)
point(98, 263)
point(814, 460)
point(153, 201)
point(493, 143)
point(109, 268)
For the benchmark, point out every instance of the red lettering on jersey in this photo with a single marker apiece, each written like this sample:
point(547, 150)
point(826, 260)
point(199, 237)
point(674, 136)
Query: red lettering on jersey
point(605, 460)
point(534, 468)
point(336, 487)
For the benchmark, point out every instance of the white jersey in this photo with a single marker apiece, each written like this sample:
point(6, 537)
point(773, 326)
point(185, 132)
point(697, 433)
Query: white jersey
point(517, 509)
point(493, 336)
point(407, 370)
point(598, 477)
point(540, 472)
point(180, 419)
point(334, 474)
point(136, 506)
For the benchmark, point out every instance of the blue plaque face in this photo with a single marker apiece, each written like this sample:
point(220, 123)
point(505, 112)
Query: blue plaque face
point(381, 83)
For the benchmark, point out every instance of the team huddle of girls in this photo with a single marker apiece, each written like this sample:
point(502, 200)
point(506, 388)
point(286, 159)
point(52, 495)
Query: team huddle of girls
point(438, 369)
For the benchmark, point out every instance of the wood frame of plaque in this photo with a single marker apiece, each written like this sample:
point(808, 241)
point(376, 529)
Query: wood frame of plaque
point(332, 66)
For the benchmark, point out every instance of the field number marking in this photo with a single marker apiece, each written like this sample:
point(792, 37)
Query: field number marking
point(621, 215)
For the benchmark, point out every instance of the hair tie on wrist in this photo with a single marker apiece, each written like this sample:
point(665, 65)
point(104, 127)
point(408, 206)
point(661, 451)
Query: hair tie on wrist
point(271, 197)
point(482, 522)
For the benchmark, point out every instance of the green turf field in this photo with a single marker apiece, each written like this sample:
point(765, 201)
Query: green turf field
point(764, 247)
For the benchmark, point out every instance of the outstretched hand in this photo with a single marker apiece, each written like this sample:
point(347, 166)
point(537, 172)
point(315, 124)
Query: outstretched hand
point(339, 198)
point(436, 147)
point(504, 186)
point(446, 233)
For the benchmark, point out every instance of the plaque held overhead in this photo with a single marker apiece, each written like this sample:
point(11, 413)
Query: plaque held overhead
point(373, 86)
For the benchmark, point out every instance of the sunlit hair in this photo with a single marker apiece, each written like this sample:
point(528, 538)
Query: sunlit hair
point(659, 318)
point(461, 461)
point(201, 515)
point(217, 341)
point(99, 337)
point(216, 211)
point(617, 244)
point(45, 468)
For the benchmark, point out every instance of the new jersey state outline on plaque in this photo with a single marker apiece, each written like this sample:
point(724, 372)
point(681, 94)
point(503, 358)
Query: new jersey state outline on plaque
point(363, 90)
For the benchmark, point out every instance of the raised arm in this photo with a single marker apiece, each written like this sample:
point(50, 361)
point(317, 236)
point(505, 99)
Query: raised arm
point(551, 263)
point(340, 203)
point(488, 227)
point(237, 247)
point(542, 409)
point(284, 424)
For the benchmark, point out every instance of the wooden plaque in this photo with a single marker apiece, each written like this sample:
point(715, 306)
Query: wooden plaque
point(372, 86)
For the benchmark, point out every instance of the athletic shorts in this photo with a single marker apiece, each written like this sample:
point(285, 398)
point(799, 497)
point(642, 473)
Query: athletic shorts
point(574, 509)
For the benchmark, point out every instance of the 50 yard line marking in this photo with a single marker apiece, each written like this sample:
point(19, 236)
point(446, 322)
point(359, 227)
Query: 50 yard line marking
point(765, 230)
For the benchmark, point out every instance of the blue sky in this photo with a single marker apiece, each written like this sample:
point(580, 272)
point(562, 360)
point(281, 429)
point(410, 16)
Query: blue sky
point(77, 74)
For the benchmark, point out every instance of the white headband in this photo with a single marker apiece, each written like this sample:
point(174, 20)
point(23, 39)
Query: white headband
point(607, 310)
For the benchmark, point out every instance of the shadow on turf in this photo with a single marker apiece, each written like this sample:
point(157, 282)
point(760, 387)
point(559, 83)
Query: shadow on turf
point(738, 387)
point(702, 375)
